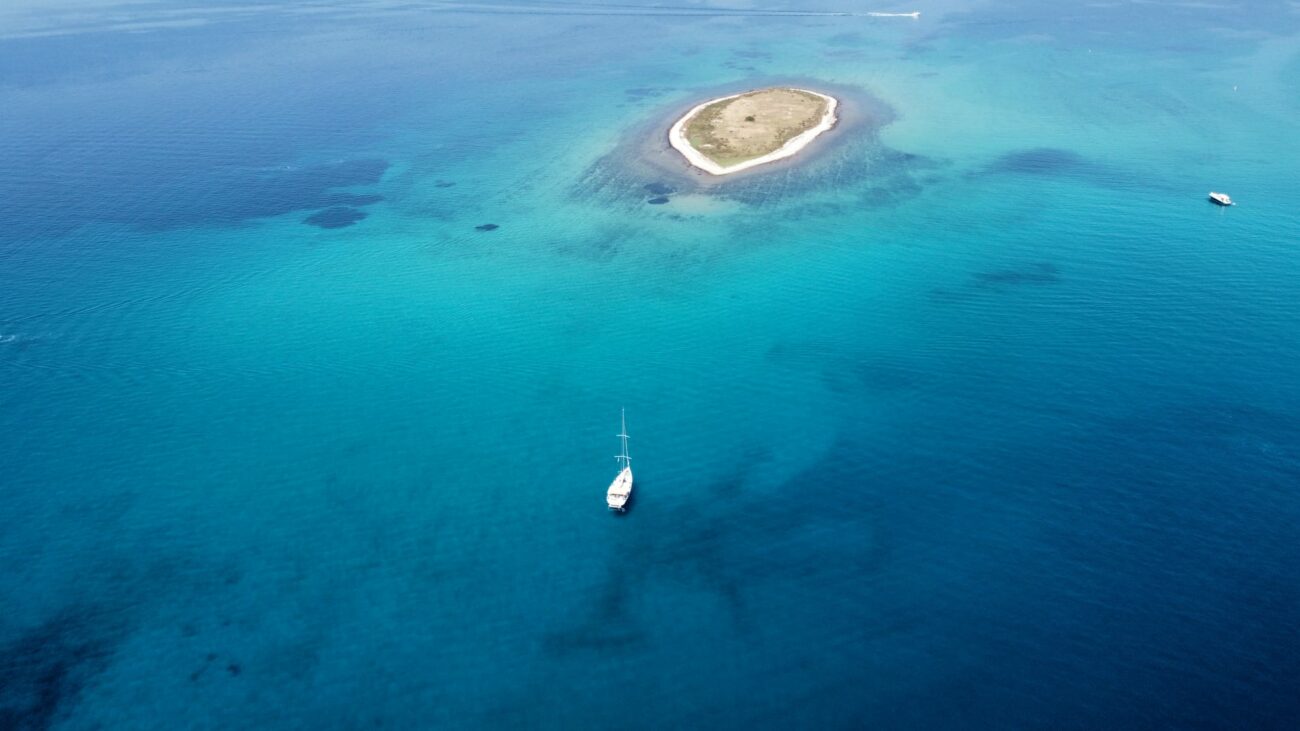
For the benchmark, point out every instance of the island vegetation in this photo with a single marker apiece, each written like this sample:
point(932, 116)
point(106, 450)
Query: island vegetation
point(741, 131)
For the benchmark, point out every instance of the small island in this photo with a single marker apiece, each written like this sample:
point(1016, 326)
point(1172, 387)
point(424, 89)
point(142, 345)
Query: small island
point(741, 131)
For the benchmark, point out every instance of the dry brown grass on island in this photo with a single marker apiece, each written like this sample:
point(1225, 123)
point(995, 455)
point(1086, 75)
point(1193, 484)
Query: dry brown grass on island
point(754, 124)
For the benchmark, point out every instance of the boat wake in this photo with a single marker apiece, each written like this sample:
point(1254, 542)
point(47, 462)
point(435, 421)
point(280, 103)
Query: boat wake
point(916, 14)
point(624, 9)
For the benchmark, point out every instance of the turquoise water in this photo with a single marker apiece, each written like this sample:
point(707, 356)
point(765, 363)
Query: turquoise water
point(979, 415)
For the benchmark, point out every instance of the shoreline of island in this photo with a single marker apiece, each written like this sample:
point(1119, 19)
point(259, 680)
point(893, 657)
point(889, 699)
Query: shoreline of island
point(677, 137)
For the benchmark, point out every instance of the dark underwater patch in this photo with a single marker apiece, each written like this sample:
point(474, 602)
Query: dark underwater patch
point(658, 200)
point(889, 374)
point(336, 217)
point(844, 53)
point(1039, 161)
point(234, 197)
point(896, 190)
point(1056, 162)
point(645, 92)
point(177, 192)
point(592, 639)
point(487, 227)
point(1037, 273)
point(444, 184)
point(692, 546)
point(603, 245)
point(607, 627)
point(44, 670)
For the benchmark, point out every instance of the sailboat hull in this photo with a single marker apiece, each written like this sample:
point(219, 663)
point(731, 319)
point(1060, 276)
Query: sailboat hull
point(620, 490)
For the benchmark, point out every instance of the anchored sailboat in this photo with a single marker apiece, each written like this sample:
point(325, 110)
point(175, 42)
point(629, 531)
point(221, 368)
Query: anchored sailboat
point(620, 490)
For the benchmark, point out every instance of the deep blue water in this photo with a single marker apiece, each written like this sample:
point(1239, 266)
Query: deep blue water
point(316, 320)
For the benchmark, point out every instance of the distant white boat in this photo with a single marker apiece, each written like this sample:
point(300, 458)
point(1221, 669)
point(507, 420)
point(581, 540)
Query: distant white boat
point(620, 490)
point(1221, 198)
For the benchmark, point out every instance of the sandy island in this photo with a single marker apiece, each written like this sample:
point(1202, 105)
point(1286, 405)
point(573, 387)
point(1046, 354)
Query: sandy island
point(741, 131)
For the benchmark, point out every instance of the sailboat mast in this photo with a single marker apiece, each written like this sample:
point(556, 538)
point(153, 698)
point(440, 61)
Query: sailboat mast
point(623, 458)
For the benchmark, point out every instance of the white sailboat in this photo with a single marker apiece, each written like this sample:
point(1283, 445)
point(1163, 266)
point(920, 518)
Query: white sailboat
point(620, 490)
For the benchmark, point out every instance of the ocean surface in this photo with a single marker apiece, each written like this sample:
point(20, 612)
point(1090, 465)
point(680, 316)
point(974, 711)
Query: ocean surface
point(316, 320)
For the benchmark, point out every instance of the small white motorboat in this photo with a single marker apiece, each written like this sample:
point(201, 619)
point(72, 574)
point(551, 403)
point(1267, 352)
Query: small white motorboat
point(1221, 198)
